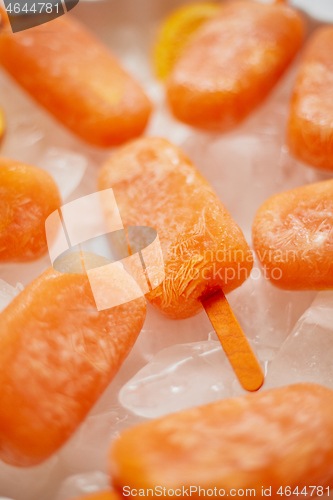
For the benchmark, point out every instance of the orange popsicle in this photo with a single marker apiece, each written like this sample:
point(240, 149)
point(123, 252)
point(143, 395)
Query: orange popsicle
point(28, 195)
point(204, 250)
point(156, 185)
point(74, 76)
point(272, 439)
point(233, 62)
point(57, 355)
point(310, 133)
point(293, 237)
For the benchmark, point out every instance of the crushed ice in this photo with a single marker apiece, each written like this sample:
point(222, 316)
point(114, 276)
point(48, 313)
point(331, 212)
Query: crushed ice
point(172, 365)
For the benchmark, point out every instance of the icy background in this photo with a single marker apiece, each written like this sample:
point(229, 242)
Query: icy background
point(174, 364)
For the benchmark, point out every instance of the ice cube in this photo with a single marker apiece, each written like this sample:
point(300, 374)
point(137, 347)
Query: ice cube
point(245, 169)
point(24, 131)
point(160, 332)
point(8, 293)
point(24, 272)
point(26, 484)
point(87, 450)
point(83, 484)
point(266, 313)
point(307, 353)
point(162, 123)
point(320, 10)
point(180, 377)
point(66, 167)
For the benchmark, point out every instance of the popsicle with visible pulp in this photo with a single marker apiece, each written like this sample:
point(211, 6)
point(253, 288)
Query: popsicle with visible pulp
point(278, 440)
point(75, 77)
point(28, 195)
point(156, 185)
point(204, 251)
point(293, 237)
point(57, 356)
point(233, 62)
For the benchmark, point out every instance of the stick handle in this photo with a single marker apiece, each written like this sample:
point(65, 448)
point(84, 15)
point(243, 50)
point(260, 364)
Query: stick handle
point(234, 342)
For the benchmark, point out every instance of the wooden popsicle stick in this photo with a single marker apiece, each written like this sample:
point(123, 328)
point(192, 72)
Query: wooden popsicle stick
point(232, 338)
point(234, 342)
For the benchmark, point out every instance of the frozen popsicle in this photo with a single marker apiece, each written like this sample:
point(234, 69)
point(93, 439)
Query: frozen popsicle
point(293, 237)
point(233, 62)
point(75, 77)
point(204, 250)
point(57, 355)
point(28, 195)
point(277, 439)
point(310, 132)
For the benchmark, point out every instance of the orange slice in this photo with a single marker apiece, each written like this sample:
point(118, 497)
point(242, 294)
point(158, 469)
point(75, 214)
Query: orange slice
point(176, 31)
